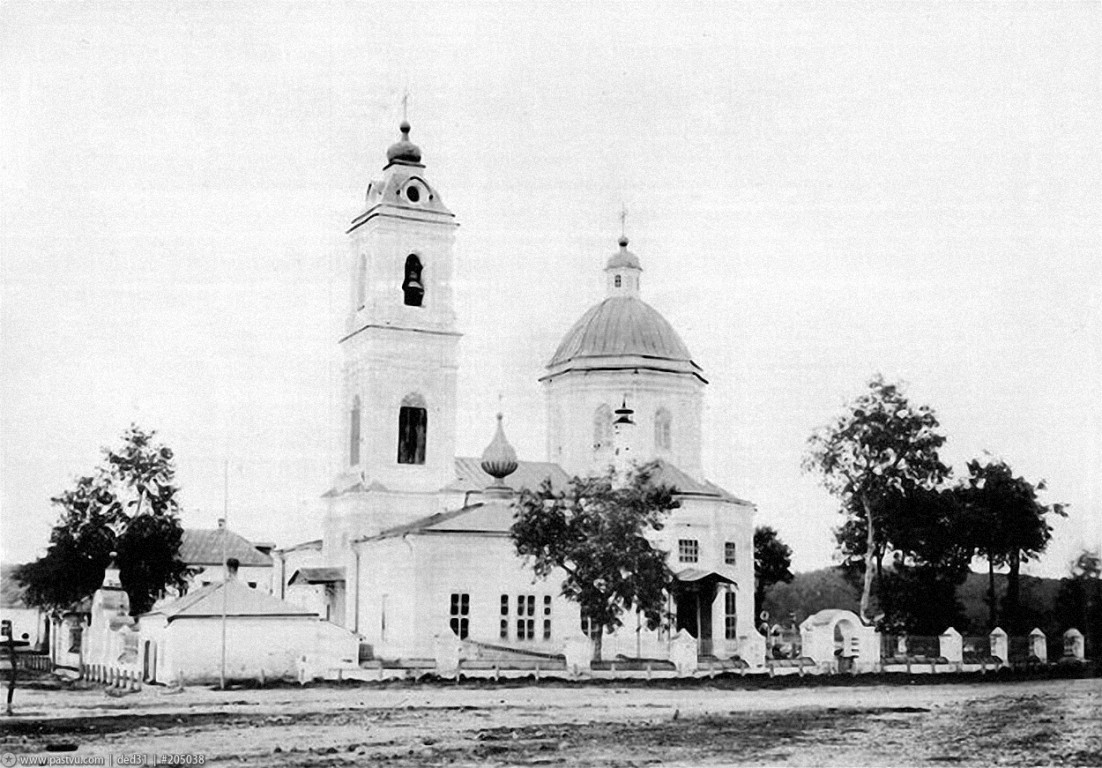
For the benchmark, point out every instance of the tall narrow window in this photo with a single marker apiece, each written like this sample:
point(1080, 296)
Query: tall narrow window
point(662, 429)
point(602, 428)
point(547, 617)
point(504, 617)
point(361, 283)
point(459, 612)
point(616, 281)
point(413, 288)
point(412, 430)
point(354, 433)
point(526, 617)
point(730, 553)
point(730, 616)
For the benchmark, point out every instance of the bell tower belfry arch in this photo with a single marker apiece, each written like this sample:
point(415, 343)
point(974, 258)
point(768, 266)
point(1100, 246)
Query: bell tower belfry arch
point(400, 340)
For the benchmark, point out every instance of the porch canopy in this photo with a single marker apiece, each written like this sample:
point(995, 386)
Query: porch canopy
point(317, 576)
point(698, 577)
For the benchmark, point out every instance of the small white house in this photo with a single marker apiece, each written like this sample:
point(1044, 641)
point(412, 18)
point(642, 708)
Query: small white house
point(265, 637)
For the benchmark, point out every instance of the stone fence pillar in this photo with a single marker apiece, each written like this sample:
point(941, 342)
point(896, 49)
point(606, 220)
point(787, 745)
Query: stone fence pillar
point(1000, 645)
point(448, 651)
point(1073, 645)
point(1038, 645)
point(683, 653)
point(951, 646)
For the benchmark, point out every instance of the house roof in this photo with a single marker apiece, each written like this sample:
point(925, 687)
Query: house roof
point(239, 599)
point(213, 546)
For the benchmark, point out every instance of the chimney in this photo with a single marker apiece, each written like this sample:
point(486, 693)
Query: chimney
point(221, 523)
point(231, 568)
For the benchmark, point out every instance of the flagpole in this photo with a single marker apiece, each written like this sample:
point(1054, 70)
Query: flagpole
point(225, 567)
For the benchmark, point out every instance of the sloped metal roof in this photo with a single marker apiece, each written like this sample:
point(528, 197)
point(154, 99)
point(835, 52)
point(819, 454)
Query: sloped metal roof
point(240, 600)
point(204, 546)
point(469, 475)
point(317, 576)
point(621, 326)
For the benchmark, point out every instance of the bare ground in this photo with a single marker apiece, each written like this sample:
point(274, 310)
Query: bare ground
point(1033, 722)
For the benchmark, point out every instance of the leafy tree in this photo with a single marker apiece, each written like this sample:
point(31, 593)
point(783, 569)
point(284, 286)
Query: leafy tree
point(930, 560)
point(1007, 526)
point(596, 532)
point(1079, 602)
point(128, 506)
point(772, 560)
point(880, 448)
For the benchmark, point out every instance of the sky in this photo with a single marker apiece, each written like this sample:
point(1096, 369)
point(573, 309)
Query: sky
point(818, 192)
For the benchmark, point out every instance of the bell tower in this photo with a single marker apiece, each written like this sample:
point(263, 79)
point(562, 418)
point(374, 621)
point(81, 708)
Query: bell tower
point(400, 339)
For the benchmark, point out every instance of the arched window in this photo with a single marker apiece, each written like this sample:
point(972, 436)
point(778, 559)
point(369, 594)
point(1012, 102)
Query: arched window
point(413, 424)
point(662, 429)
point(354, 433)
point(602, 428)
point(361, 283)
point(412, 287)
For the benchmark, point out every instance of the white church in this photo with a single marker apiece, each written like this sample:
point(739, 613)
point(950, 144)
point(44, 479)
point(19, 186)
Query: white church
point(416, 540)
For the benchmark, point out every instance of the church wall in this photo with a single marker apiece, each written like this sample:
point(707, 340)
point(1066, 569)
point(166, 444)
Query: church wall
point(385, 366)
point(573, 400)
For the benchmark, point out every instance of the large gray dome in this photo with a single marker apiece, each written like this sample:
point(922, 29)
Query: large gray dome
point(622, 332)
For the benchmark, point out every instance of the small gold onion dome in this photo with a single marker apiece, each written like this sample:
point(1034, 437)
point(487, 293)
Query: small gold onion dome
point(404, 149)
point(499, 460)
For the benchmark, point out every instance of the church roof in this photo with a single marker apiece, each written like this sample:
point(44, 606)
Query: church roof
point(622, 331)
point(239, 600)
point(204, 546)
point(470, 476)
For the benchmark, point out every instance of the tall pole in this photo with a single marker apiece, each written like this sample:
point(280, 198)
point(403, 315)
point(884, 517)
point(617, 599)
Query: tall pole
point(225, 568)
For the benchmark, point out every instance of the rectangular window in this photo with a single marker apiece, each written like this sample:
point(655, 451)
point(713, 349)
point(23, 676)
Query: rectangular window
point(730, 552)
point(76, 634)
point(547, 617)
point(589, 628)
point(730, 616)
point(688, 550)
point(460, 614)
point(504, 617)
point(526, 617)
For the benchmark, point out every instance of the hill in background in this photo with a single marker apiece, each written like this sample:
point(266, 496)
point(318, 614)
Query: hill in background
point(813, 591)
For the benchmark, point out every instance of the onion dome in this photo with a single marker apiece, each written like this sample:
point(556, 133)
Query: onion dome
point(404, 150)
point(623, 258)
point(499, 460)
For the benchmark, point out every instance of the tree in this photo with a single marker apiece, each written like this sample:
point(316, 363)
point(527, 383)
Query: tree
point(1007, 526)
point(930, 558)
point(879, 448)
point(1079, 602)
point(596, 532)
point(129, 507)
point(772, 560)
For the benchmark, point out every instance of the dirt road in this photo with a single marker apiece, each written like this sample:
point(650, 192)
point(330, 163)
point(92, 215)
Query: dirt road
point(1050, 722)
